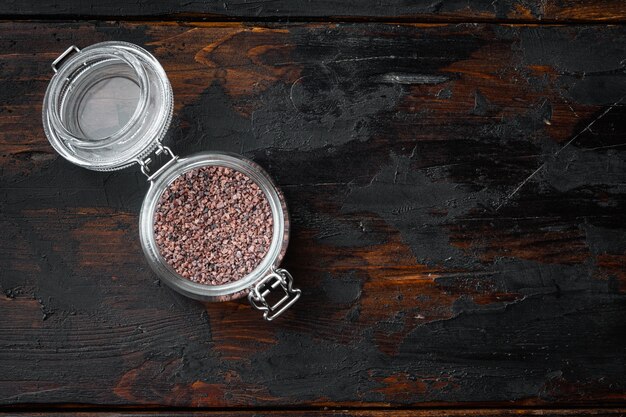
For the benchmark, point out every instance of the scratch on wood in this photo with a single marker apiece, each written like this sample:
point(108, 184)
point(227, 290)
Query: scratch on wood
point(26, 394)
point(372, 58)
point(291, 93)
point(569, 142)
point(597, 148)
point(171, 38)
point(408, 79)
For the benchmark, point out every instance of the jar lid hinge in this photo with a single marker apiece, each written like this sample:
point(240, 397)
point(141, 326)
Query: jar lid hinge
point(278, 280)
point(145, 162)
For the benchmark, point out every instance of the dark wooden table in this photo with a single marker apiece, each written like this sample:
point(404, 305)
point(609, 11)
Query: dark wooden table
point(456, 174)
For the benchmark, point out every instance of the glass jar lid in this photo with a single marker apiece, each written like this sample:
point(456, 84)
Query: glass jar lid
point(107, 105)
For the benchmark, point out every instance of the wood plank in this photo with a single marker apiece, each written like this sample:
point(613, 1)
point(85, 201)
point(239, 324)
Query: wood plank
point(457, 198)
point(420, 10)
point(607, 412)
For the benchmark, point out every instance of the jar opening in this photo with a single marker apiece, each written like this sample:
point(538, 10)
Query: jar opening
point(213, 225)
point(106, 103)
point(102, 100)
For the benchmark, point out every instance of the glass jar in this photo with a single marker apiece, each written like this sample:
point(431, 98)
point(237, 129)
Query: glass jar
point(109, 106)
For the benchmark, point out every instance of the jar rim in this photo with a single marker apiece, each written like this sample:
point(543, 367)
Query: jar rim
point(235, 289)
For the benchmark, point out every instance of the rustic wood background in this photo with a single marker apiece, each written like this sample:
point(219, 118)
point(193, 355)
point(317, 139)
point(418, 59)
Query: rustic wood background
point(456, 175)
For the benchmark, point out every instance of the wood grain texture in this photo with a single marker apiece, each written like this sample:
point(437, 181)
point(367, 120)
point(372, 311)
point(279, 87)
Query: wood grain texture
point(607, 412)
point(419, 10)
point(458, 203)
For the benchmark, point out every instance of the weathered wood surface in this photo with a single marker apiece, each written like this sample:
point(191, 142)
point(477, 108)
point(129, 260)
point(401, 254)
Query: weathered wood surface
point(423, 10)
point(610, 412)
point(458, 206)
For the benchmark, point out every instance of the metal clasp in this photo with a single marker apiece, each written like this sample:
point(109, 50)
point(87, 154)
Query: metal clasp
point(145, 163)
point(278, 278)
point(64, 55)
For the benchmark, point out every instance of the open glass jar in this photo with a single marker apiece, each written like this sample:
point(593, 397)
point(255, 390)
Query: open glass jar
point(109, 106)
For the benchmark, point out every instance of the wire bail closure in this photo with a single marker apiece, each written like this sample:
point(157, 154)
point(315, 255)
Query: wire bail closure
point(278, 278)
point(145, 163)
point(64, 55)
